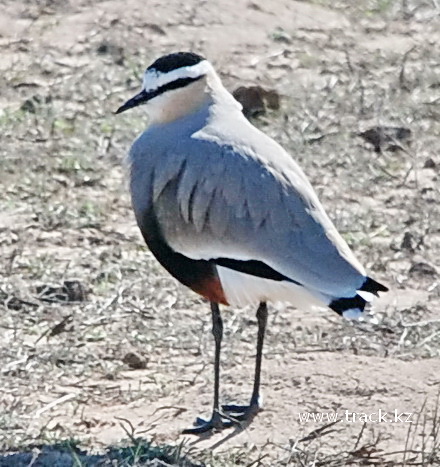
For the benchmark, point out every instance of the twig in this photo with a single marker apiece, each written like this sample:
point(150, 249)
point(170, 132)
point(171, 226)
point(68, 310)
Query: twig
point(54, 403)
point(57, 329)
point(318, 432)
point(401, 342)
point(178, 409)
point(359, 436)
point(132, 428)
point(427, 339)
point(402, 79)
point(420, 323)
point(348, 61)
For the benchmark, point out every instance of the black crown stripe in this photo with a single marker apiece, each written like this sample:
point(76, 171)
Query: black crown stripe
point(174, 61)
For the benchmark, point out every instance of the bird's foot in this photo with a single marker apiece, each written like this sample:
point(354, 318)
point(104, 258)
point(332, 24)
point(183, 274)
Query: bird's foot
point(218, 422)
point(229, 416)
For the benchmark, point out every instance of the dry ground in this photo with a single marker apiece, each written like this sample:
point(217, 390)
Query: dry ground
point(341, 68)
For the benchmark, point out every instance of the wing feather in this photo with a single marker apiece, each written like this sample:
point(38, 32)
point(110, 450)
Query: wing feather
point(201, 203)
point(166, 173)
point(246, 202)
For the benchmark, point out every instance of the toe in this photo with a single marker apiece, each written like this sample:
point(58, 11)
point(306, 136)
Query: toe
point(215, 424)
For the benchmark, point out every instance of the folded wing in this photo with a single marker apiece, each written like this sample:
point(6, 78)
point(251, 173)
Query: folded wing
point(239, 208)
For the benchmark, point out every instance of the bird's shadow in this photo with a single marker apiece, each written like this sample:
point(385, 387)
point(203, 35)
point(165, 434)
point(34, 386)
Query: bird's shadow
point(238, 429)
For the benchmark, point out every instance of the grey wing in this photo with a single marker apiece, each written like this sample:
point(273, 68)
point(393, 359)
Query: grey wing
point(213, 201)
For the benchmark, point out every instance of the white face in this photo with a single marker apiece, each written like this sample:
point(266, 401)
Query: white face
point(158, 87)
point(153, 79)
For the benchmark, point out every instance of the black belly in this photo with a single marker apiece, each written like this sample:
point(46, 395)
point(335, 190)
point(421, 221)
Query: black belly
point(199, 275)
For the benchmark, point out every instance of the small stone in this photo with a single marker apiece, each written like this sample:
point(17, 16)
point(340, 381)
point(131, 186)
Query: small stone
point(422, 269)
point(255, 100)
point(135, 361)
point(429, 164)
point(407, 242)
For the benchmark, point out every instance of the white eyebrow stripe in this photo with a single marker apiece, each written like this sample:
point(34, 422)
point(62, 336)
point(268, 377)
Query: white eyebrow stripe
point(154, 79)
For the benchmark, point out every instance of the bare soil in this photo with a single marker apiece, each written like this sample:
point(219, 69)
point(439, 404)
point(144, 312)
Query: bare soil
point(130, 350)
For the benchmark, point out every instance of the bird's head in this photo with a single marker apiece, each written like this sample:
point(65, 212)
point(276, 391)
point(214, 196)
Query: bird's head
point(174, 85)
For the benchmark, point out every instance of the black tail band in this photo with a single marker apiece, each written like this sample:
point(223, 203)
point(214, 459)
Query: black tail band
point(357, 302)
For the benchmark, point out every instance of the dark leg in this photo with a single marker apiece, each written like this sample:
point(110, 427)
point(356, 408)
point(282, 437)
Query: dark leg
point(247, 412)
point(262, 322)
point(217, 331)
point(216, 421)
